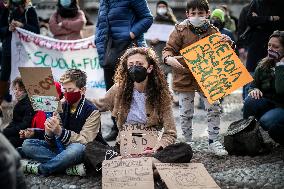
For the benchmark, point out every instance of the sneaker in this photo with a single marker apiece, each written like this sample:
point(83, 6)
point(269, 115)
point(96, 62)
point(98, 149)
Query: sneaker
point(217, 149)
point(29, 166)
point(78, 170)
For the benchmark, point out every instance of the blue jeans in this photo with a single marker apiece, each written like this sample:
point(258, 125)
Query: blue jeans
point(246, 88)
point(50, 160)
point(270, 117)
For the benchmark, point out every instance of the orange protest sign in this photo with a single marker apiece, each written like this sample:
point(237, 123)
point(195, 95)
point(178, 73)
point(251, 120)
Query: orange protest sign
point(216, 67)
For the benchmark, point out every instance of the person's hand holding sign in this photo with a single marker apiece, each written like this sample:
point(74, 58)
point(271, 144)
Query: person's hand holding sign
point(256, 93)
point(172, 61)
point(226, 39)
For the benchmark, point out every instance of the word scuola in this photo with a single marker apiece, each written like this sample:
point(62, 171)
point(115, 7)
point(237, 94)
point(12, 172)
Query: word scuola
point(46, 60)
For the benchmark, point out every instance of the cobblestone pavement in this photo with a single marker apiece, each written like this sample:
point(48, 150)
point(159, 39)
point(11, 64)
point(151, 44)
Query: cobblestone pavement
point(266, 171)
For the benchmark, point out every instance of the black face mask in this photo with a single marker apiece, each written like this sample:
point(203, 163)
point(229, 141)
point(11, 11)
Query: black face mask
point(138, 73)
point(217, 23)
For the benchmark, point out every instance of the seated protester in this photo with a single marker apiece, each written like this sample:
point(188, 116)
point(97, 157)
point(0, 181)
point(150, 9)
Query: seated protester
point(266, 96)
point(37, 126)
point(67, 133)
point(11, 176)
point(141, 96)
point(22, 114)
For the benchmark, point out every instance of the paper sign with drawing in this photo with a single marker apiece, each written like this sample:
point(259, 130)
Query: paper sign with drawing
point(40, 86)
point(216, 67)
point(44, 103)
point(135, 138)
point(185, 175)
point(127, 173)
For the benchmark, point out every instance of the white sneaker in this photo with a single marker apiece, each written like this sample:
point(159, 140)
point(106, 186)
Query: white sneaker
point(79, 170)
point(29, 166)
point(217, 149)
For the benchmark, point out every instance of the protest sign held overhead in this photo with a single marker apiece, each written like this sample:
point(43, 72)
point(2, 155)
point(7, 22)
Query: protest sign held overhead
point(216, 67)
point(32, 50)
point(127, 173)
point(38, 81)
point(185, 175)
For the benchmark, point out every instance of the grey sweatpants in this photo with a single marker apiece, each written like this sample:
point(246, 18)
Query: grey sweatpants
point(186, 109)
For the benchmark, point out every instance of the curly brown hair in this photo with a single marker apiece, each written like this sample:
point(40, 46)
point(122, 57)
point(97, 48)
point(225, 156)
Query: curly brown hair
point(157, 91)
point(77, 76)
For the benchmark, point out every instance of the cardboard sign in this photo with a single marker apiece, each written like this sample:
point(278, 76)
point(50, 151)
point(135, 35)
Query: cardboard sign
point(135, 138)
point(127, 174)
point(185, 175)
point(38, 81)
point(44, 103)
point(216, 67)
point(159, 31)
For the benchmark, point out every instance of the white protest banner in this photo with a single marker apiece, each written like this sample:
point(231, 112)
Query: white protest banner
point(159, 31)
point(127, 173)
point(32, 50)
point(44, 103)
point(185, 175)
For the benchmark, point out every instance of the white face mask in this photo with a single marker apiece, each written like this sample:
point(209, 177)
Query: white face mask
point(197, 21)
point(162, 11)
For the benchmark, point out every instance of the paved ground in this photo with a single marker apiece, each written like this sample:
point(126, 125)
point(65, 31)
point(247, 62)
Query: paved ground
point(265, 171)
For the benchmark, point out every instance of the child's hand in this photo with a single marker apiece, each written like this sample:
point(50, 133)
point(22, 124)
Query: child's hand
point(226, 39)
point(172, 61)
point(27, 133)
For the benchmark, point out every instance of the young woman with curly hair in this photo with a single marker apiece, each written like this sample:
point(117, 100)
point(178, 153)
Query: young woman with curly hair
point(141, 96)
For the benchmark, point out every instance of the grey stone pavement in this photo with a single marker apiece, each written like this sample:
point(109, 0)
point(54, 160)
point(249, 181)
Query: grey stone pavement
point(266, 171)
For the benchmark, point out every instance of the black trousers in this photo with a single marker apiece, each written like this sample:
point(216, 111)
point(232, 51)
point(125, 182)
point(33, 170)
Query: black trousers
point(5, 68)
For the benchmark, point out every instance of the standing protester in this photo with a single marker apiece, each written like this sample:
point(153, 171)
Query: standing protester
point(164, 15)
point(17, 13)
point(11, 176)
point(140, 96)
point(120, 25)
point(66, 134)
point(68, 21)
point(265, 100)
point(22, 114)
point(229, 22)
point(189, 31)
point(218, 20)
point(264, 17)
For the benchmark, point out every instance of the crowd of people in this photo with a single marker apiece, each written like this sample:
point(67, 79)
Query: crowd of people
point(135, 73)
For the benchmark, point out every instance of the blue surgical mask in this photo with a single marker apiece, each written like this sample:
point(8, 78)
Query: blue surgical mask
point(65, 3)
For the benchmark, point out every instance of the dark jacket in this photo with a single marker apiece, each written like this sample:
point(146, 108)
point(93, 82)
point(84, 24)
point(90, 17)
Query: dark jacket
point(28, 18)
point(262, 28)
point(119, 18)
point(270, 81)
point(10, 170)
point(22, 118)
point(82, 126)
point(158, 47)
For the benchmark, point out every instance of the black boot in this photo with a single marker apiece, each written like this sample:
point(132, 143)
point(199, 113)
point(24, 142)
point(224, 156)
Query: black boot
point(114, 131)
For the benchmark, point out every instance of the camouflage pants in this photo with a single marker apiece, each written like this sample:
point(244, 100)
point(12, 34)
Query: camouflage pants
point(186, 109)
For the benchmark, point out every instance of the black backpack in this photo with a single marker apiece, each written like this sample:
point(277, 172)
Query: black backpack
point(244, 138)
